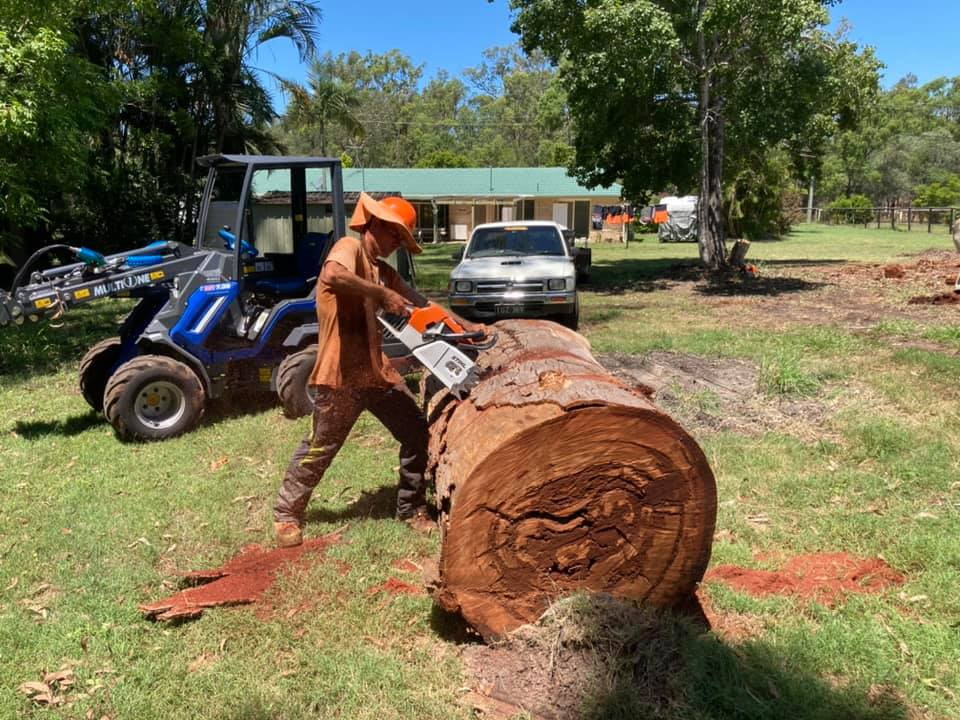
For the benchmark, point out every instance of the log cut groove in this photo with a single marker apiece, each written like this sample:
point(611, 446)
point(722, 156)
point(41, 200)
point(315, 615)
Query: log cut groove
point(553, 476)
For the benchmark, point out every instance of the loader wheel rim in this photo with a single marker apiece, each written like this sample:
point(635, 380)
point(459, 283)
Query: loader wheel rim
point(160, 404)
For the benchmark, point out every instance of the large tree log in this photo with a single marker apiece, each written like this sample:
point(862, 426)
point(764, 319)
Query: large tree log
point(553, 476)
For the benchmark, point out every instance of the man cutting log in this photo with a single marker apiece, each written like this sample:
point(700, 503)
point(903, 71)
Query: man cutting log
point(351, 373)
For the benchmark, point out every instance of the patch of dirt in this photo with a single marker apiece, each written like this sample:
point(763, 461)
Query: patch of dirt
point(852, 295)
point(825, 577)
point(580, 648)
point(713, 394)
point(950, 298)
point(240, 581)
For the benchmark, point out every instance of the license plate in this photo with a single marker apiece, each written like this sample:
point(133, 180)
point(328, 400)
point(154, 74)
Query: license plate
point(509, 309)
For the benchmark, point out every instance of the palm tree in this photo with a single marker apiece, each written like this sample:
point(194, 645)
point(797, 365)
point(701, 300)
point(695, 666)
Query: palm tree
point(239, 104)
point(327, 101)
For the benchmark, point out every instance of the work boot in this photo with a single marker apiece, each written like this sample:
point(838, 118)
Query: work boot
point(288, 534)
point(420, 520)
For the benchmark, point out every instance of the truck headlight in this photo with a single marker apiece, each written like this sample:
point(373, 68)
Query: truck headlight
point(556, 284)
point(462, 286)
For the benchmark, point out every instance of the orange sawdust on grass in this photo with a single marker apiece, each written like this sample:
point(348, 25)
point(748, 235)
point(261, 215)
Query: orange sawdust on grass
point(824, 577)
point(241, 580)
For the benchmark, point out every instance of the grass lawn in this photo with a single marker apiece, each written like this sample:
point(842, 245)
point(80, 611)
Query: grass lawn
point(862, 457)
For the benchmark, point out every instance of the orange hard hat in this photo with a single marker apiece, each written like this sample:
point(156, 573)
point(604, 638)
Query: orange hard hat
point(392, 209)
point(403, 208)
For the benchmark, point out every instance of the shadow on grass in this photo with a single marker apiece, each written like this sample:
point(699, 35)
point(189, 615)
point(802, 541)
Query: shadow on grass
point(596, 658)
point(451, 627)
point(71, 426)
point(217, 411)
point(377, 504)
point(763, 285)
point(635, 275)
point(703, 677)
point(644, 276)
point(237, 404)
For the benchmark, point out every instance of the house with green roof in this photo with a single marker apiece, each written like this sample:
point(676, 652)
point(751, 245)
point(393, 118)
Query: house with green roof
point(452, 201)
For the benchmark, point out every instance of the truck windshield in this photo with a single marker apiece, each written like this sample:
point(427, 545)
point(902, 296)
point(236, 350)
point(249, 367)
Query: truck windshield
point(515, 240)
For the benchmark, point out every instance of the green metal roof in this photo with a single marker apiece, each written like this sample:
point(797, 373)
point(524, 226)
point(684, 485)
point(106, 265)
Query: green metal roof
point(421, 183)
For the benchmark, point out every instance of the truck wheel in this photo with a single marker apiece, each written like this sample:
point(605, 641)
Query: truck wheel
point(571, 320)
point(153, 397)
point(293, 375)
point(95, 370)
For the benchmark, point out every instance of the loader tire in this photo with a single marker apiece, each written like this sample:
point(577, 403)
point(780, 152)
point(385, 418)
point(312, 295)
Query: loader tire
point(153, 397)
point(95, 370)
point(293, 376)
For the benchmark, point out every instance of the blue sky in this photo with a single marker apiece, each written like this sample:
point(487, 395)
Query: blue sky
point(920, 37)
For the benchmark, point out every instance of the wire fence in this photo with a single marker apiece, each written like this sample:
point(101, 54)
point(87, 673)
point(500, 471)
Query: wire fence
point(903, 218)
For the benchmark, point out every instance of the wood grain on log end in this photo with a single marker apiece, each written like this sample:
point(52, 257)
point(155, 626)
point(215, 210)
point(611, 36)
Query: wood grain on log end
point(555, 477)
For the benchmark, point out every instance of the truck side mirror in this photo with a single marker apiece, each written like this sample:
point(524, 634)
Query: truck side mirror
point(458, 254)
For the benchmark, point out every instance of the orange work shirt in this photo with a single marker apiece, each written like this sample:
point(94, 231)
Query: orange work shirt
point(349, 350)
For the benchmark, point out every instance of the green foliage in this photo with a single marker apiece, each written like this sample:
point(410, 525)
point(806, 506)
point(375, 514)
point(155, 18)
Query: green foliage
point(783, 374)
point(855, 210)
point(939, 194)
point(760, 197)
point(511, 111)
point(654, 86)
point(443, 159)
point(909, 144)
point(51, 102)
point(105, 108)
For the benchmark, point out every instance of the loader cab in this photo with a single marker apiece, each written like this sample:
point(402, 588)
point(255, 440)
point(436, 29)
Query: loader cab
point(279, 216)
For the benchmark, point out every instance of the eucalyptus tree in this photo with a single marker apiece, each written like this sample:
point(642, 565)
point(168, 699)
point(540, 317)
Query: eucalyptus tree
point(660, 88)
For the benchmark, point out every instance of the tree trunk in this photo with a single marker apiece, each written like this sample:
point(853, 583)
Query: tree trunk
point(710, 203)
point(553, 476)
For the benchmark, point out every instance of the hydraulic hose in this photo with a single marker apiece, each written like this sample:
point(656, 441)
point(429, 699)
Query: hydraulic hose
point(32, 259)
point(84, 255)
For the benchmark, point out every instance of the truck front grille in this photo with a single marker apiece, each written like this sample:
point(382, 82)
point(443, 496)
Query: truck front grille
point(494, 287)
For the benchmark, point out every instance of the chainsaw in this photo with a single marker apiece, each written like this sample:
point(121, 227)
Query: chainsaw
point(445, 349)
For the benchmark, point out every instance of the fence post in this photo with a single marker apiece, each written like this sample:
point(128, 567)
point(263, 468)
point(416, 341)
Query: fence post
point(929, 220)
point(879, 210)
point(893, 217)
point(953, 212)
point(909, 216)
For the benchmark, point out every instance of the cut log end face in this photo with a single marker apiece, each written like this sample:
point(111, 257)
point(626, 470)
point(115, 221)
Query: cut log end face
point(609, 499)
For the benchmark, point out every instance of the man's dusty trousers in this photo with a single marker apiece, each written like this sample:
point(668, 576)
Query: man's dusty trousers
point(335, 411)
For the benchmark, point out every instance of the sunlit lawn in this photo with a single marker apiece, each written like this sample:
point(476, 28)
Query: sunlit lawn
point(91, 527)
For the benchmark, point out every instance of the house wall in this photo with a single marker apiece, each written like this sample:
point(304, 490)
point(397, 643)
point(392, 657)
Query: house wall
point(465, 216)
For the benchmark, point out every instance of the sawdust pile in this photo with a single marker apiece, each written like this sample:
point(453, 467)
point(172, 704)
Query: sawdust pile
point(826, 577)
point(241, 580)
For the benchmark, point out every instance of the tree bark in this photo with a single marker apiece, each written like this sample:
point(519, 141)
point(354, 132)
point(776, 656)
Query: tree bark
point(710, 203)
point(553, 477)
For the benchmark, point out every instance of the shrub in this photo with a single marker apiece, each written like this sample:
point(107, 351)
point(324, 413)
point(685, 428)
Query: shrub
point(853, 209)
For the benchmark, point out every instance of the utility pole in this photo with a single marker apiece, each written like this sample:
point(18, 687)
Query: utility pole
point(810, 202)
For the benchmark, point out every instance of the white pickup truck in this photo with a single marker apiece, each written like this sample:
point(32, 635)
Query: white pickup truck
point(516, 270)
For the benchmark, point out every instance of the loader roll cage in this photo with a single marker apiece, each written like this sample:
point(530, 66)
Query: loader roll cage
point(249, 165)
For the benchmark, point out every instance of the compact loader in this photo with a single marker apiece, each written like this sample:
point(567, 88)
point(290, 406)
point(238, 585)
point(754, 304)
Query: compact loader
point(232, 313)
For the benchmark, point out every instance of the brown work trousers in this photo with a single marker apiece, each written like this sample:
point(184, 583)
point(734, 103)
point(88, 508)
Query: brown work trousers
point(335, 411)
